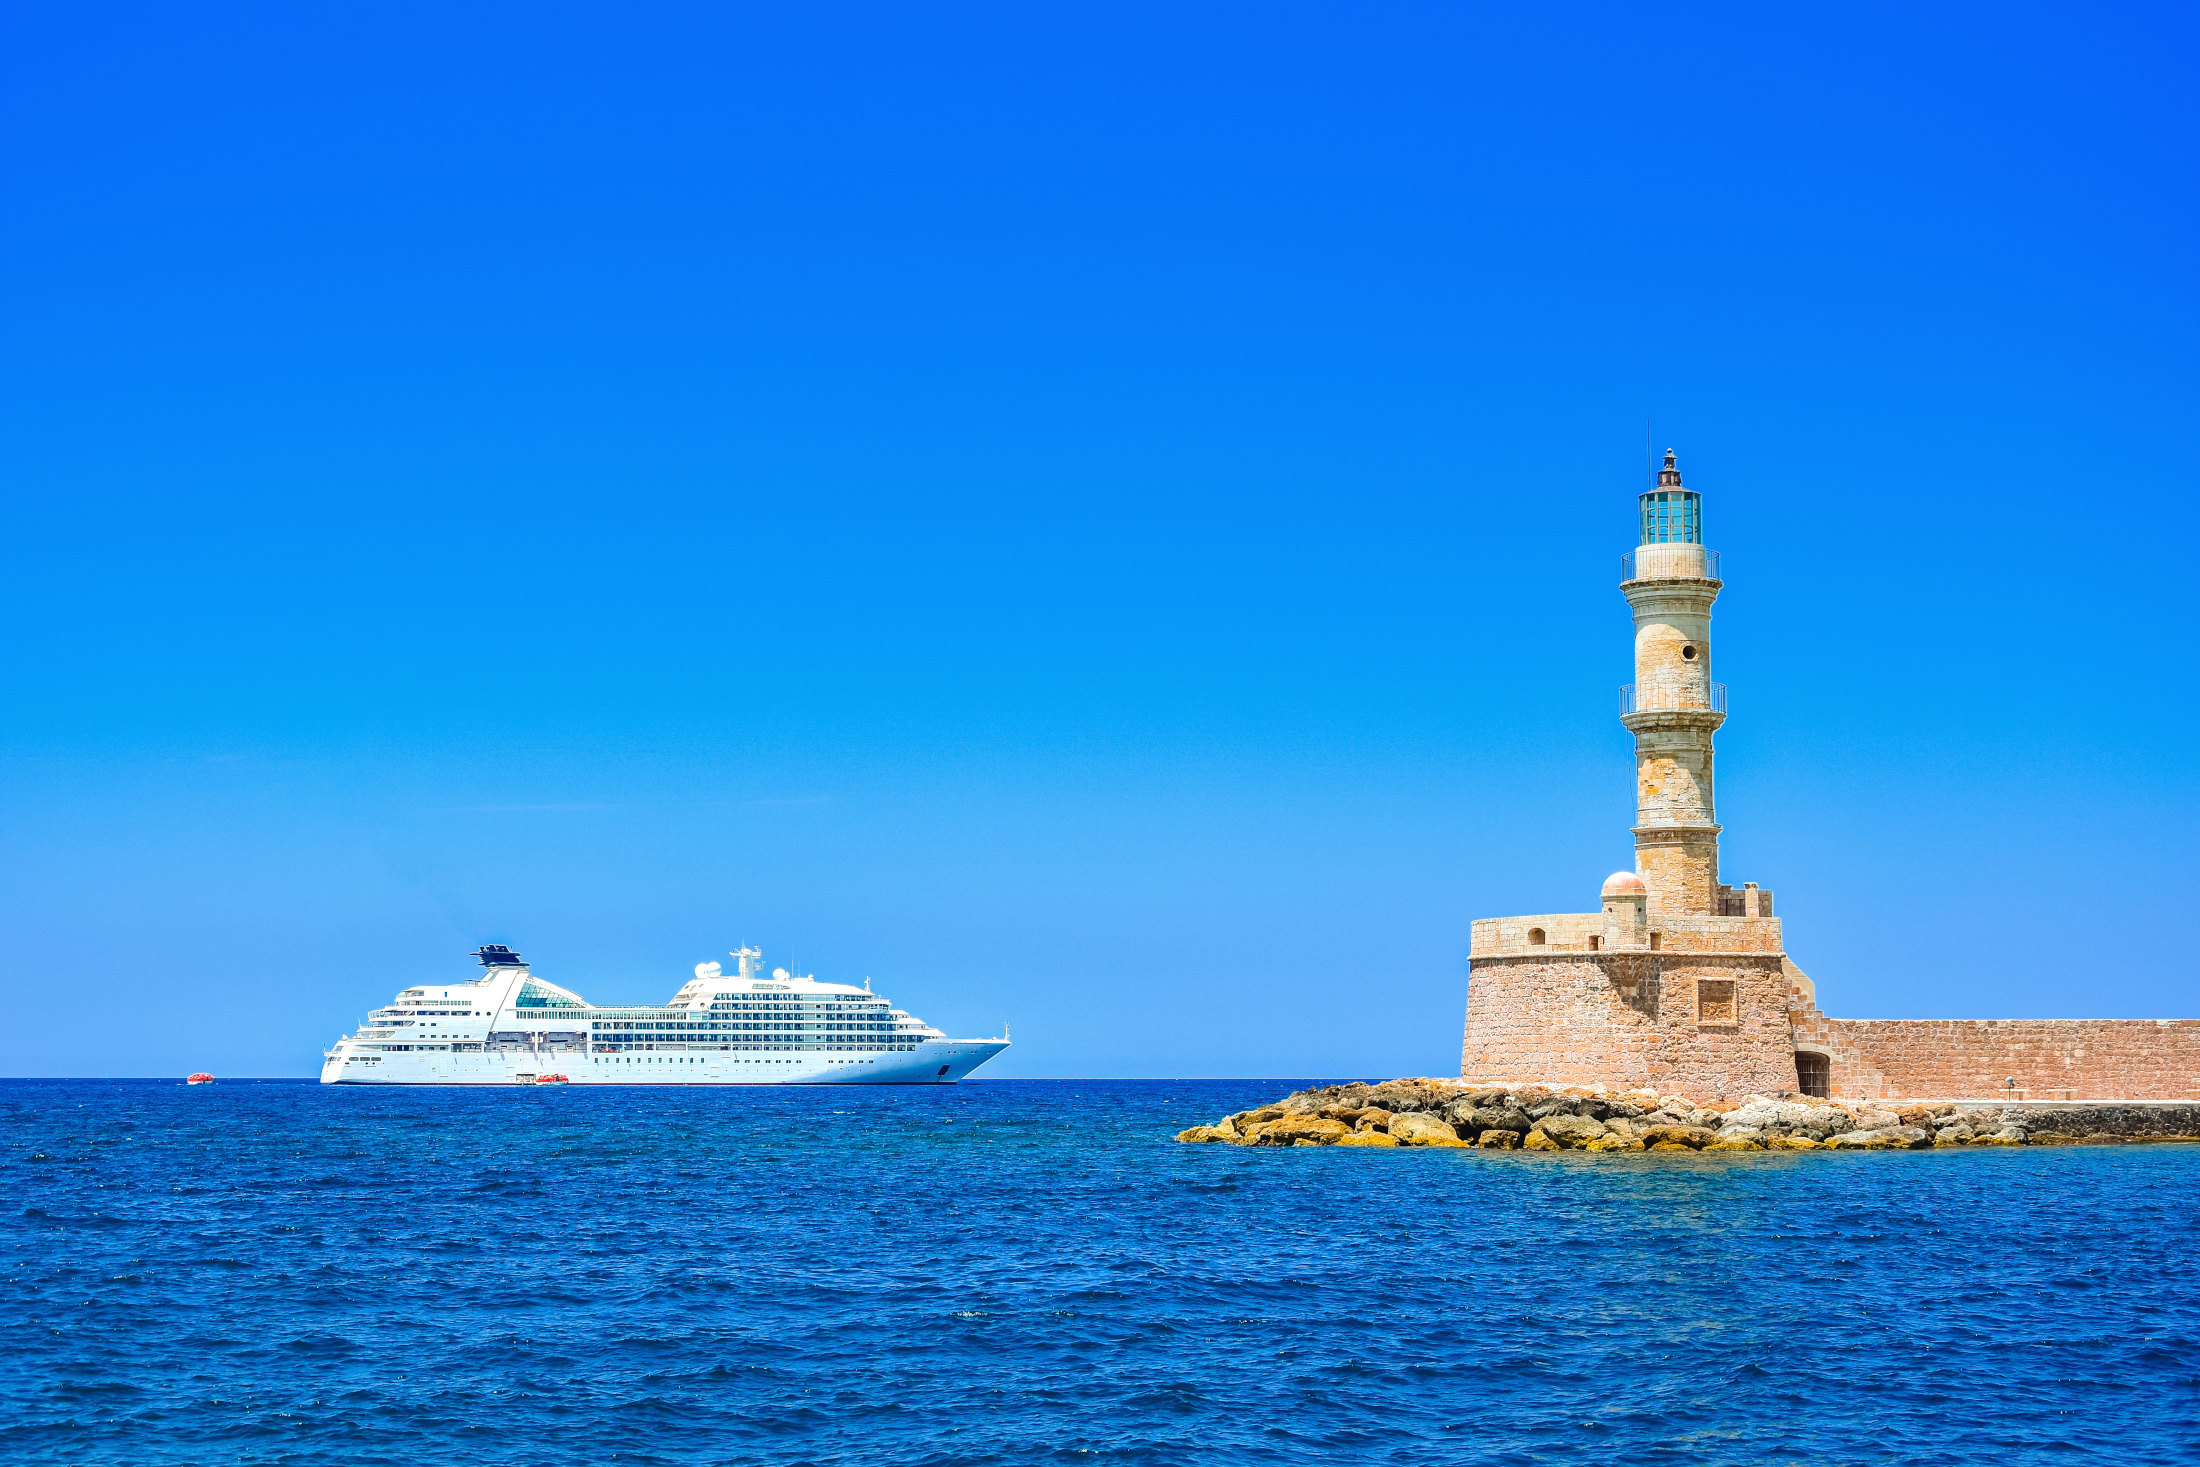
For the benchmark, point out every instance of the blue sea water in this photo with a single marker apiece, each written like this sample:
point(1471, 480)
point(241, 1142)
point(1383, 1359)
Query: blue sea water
point(1033, 1272)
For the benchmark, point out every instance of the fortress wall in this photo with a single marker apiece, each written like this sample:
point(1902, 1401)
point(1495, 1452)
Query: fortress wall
point(1548, 1018)
point(1952, 1059)
point(1706, 1026)
point(1708, 1047)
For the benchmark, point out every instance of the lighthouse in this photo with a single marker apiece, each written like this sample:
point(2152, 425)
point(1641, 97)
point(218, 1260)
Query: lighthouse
point(1676, 978)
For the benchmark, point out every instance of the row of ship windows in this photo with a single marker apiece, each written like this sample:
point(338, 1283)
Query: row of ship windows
point(478, 1049)
point(749, 1024)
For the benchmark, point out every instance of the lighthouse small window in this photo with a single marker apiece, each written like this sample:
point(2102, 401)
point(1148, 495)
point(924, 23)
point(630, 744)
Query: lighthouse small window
point(1535, 936)
point(1689, 652)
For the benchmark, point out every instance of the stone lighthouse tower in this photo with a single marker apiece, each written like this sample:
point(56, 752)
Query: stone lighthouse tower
point(1673, 707)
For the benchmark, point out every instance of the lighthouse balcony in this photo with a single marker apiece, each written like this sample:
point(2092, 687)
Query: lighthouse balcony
point(1672, 561)
point(1672, 697)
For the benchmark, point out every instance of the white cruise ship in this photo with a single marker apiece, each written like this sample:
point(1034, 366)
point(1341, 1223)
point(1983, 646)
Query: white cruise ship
point(509, 1027)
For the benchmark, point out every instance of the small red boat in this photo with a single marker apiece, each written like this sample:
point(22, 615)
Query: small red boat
point(199, 1077)
point(539, 1080)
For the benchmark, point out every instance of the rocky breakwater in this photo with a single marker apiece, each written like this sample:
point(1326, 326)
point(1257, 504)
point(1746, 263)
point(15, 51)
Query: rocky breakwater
point(1539, 1118)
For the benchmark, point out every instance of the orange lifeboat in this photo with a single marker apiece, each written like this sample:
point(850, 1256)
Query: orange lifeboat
point(199, 1077)
point(550, 1080)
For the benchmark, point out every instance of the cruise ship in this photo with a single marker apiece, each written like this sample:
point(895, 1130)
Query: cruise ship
point(508, 1027)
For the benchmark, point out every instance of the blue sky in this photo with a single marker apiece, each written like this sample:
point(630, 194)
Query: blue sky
point(1101, 517)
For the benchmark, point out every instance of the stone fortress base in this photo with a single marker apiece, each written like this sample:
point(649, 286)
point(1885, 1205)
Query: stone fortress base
point(1719, 1012)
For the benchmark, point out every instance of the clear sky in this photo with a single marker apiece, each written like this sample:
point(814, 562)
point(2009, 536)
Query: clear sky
point(1102, 517)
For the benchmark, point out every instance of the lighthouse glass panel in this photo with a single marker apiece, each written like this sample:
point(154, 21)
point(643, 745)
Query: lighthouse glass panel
point(1672, 516)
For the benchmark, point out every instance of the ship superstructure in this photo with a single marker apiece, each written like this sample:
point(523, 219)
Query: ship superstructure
point(508, 1026)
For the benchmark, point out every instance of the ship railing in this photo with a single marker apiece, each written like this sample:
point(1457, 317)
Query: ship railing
point(1660, 697)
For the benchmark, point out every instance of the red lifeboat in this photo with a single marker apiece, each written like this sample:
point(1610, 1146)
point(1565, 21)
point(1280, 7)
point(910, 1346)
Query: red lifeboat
point(552, 1080)
point(198, 1077)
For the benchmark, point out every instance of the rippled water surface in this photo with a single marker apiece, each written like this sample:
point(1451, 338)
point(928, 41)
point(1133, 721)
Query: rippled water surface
point(1031, 1272)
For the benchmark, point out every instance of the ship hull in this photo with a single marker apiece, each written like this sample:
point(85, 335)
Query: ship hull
point(934, 1062)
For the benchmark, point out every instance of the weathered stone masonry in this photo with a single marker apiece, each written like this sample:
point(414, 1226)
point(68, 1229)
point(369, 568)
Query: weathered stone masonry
point(1682, 983)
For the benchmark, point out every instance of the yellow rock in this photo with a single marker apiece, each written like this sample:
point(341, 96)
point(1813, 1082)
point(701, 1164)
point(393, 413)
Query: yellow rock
point(1203, 1133)
point(1614, 1143)
point(1791, 1143)
point(1734, 1146)
point(1537, 1141)
point(1672, 1146)
point(1500, 1140)
point(1290, 1130)
point(1371, 1138)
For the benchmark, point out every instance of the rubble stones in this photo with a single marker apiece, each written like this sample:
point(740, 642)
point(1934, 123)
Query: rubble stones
point(1448, 1113)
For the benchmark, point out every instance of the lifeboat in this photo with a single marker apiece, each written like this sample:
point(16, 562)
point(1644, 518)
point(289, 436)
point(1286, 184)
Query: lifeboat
point(199, 1077)
point(552, 1080)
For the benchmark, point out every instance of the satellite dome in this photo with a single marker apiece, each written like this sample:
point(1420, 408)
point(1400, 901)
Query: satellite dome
point(1624, 883)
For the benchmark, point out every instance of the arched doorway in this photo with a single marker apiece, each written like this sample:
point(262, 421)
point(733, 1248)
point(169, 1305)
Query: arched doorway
point(1813, 1074)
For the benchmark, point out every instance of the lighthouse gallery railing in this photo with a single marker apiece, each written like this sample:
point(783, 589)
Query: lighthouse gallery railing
point(1658, 698)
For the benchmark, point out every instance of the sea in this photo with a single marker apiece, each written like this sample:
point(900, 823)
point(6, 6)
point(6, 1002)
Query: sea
point(1031, 1272)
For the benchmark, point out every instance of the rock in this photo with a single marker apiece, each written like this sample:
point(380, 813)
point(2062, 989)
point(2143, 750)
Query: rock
point(1540, 1141)
point(1791, 1143)
point(2102, 1138)
point(2003, 1136)
point(1290, 1130)
point(1724, 1142)
point(1614, 1141)
point(1420, 1129)
point(1740, 1133)
point(1367, 1138)
point(1202, 1134)
point(1226, 1128)
point(1870, 1119)
point(1498, 1140)
point(1497, 1118)
point(1670, 1146)
point(2052, 1138)
point(1620, 1125)
point(1691, 1137)
point(1570, 1132)
point(1923, 1115)
point(1372, 1119)
point(1955, 1135)
point(1889, 1138)
point(1818, 1120)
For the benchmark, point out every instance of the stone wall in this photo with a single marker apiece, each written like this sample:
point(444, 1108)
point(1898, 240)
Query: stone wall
point(1954, 1059)
point(1708, 1024)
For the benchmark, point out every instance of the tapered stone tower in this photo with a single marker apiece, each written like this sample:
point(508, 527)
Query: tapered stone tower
point(1673, 707)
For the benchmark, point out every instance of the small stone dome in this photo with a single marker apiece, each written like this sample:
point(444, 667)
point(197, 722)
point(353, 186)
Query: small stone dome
point(1624, 883)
